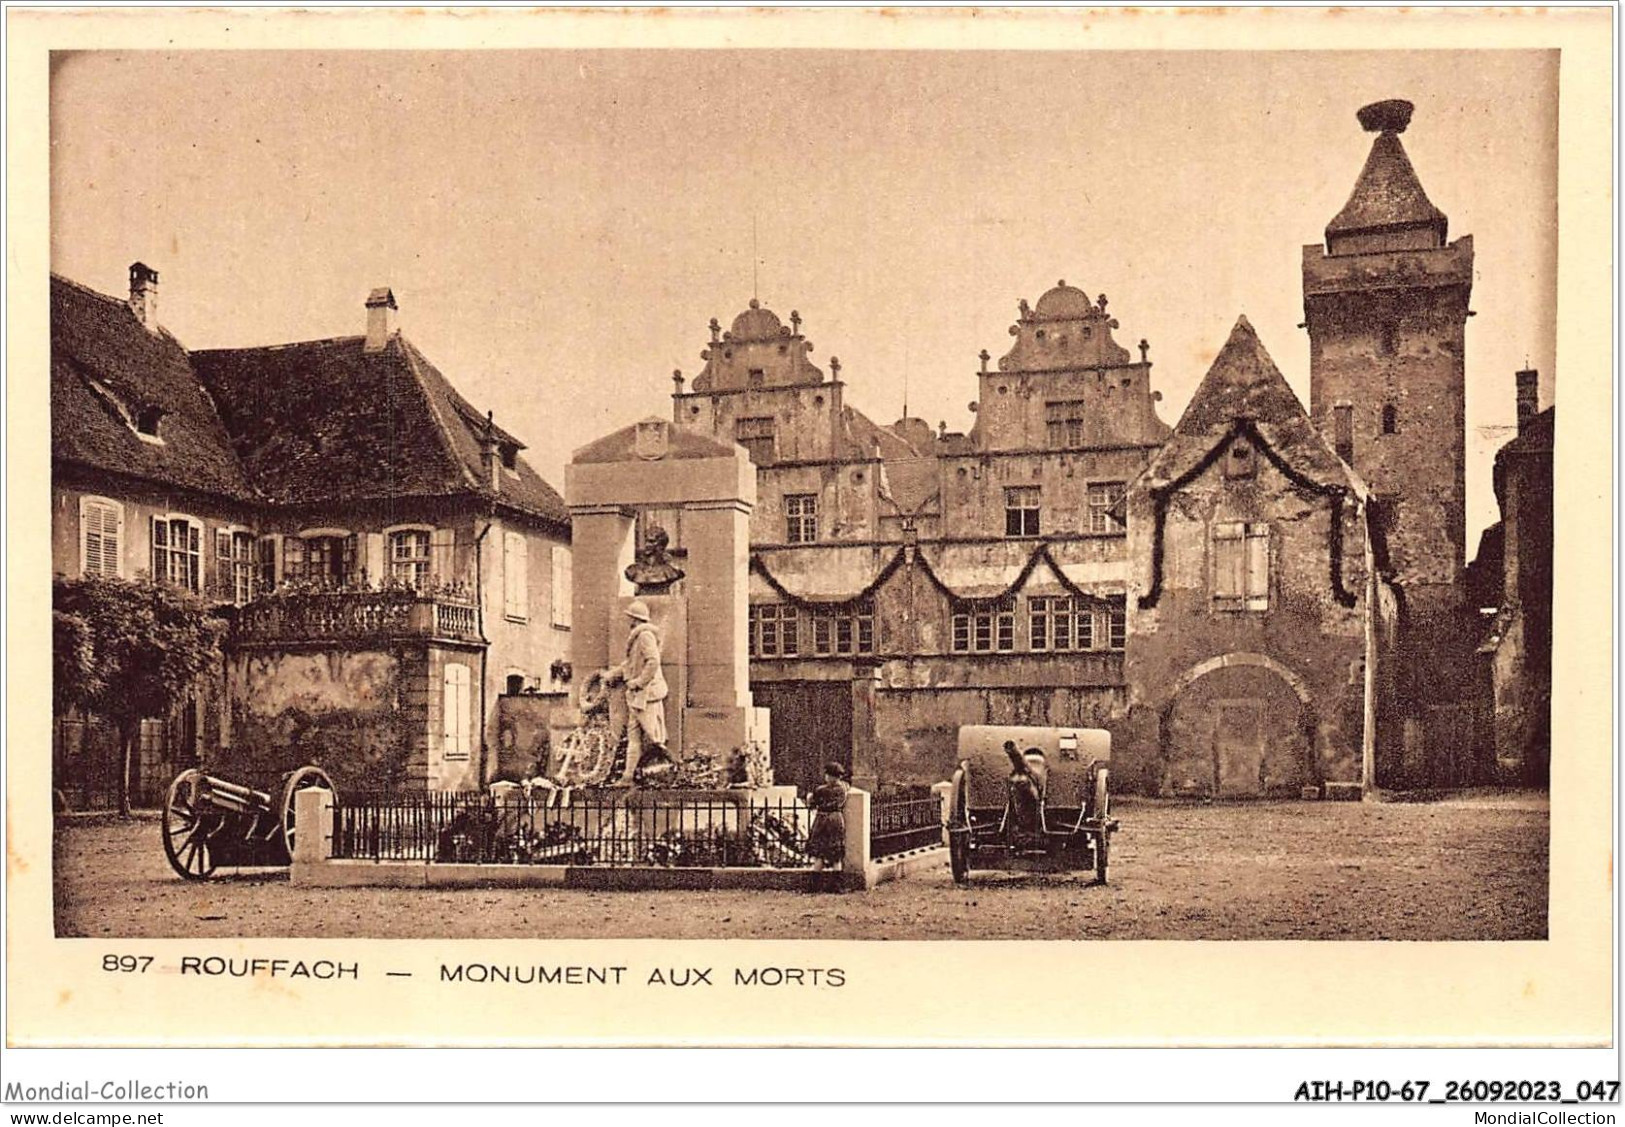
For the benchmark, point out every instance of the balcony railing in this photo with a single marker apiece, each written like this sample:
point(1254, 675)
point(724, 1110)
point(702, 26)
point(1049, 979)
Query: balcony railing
point(310, 614)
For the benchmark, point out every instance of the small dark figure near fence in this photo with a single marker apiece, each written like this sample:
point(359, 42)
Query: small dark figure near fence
point(827, 841)
point(467, 839)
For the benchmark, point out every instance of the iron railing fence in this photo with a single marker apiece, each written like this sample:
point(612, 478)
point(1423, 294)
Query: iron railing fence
point(899, 825)
point(583, 828)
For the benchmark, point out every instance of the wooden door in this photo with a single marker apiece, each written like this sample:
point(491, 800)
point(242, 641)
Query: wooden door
point(1238, 747)
point(811, 726)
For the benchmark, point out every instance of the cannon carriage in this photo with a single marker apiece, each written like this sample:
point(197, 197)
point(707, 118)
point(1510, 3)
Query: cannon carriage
point(210, 821)
point(1030, 799)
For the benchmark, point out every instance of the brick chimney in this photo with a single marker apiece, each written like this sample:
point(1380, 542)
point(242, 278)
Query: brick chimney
point(1528, 396)
point(491, 450)
point(381, 309)
point(144, 295)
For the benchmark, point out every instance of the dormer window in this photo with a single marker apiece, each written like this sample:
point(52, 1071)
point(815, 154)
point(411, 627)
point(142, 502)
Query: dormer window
point(510, 456)
point(147, 419)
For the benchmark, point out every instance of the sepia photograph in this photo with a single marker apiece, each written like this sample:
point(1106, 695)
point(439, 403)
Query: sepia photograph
point(396, 526)
point(784, 491)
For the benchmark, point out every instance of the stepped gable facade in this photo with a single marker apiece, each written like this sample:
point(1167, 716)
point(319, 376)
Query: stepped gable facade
point(907, 581)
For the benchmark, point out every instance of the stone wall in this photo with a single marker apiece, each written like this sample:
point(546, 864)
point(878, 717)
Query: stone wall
point(344, 710)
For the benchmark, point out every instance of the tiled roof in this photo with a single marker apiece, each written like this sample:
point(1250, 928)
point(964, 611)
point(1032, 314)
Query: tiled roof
point(1387, 194)
point(1244, 383)
point(325, 420)
point(106, 366)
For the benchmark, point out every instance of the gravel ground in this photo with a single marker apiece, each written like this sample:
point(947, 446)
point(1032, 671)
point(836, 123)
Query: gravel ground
point(1472, 867)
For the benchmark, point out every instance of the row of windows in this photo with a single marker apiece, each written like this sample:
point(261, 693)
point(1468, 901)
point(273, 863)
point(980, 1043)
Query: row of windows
point(1023, 509)
point(246, 565)
point(1023, 512)
point(782, 630)
point(1055, 624)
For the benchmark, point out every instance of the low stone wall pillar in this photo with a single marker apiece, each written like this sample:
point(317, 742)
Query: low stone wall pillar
point(945, 795)
point(857, 831)
point(312, 826)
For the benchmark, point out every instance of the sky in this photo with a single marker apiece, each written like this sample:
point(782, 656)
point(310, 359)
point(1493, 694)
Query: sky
point(559, 226)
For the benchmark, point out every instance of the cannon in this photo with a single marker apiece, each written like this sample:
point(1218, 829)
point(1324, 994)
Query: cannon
point(209, 821)
point(1030, 799)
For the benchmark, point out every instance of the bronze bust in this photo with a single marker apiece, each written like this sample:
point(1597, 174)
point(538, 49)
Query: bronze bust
point(653, 572)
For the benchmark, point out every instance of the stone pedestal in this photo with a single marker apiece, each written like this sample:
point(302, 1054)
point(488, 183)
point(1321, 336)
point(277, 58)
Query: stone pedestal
point(707, 490)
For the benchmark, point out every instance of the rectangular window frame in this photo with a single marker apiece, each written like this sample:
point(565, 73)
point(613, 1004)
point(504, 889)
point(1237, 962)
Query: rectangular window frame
point(1103, 499)
point(408, 556)
point(983, 628)
point(800, 518)
point(101, 551)
point(177, 551)
point(1240, 566)
point(515, 577)
point(563, 586)
point(457, 726)
point(1023, 505)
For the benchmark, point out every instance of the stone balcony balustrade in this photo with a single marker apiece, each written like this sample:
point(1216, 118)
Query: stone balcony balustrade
point(294, 615)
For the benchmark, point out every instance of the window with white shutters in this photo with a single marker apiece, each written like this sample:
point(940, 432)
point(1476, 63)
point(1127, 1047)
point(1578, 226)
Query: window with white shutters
point(101, 537)
point(515, 576)
point(457, 719)
point(561, 587)
point(1241, 565)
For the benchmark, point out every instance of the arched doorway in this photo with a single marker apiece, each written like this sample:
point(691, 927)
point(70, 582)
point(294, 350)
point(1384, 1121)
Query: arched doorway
point(1238, 726)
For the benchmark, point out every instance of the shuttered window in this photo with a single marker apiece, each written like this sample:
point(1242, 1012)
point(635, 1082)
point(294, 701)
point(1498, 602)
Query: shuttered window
point(515, 576)
point(457, 718)
point(561, 587)
point(101, 537)
point(1241, 566)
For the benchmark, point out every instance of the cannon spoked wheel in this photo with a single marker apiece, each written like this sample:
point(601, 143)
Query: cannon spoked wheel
point(187, 827)
point(302, 779)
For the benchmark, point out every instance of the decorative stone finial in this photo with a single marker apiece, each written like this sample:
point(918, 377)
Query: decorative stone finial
point(754, 304)
point(1061, 284)
point(677, 379)
point(942, 430)
point(795, 321)
point(984, 356)
point(1100, 303)
point(1024, 310)
point(835, 365)
point(716, 330)
point(1391, 116)
point(1145, 346)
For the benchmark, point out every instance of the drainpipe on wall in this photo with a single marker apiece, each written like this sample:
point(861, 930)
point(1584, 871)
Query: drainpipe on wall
point(479, 625)
point(1368, 738)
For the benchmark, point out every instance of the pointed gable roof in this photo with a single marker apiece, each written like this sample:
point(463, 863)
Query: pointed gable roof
point(1243, 387)
point(1388, 195)
point(105, 367)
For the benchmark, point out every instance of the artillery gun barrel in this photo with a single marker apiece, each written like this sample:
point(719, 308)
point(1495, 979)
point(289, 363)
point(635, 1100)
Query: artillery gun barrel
point(234, 797)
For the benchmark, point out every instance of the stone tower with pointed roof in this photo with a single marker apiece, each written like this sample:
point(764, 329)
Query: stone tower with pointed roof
point(1385, 302)
point(1386, 306)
